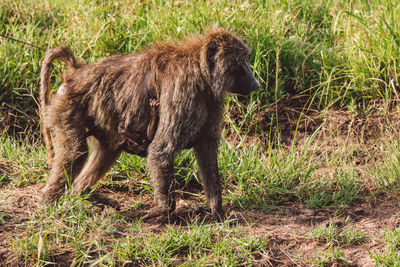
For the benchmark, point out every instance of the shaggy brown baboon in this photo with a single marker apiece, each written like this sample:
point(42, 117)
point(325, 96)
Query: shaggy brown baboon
point(111, 99)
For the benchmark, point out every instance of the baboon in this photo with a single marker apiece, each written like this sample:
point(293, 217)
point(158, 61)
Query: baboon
point(186, 82)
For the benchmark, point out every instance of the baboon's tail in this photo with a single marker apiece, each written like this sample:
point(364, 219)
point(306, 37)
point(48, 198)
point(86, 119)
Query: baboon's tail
point(64, 54)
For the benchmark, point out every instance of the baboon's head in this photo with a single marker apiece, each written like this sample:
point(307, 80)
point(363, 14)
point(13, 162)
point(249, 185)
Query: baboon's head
point(227, 67)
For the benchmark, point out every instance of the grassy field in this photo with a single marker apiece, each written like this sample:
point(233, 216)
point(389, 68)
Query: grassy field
point(310, 163)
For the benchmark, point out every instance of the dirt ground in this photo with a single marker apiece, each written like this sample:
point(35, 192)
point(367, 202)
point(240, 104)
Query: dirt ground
point(286, 229)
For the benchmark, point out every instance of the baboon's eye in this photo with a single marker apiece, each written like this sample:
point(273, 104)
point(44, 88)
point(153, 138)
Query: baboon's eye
point(236, 68)
point(212, 49)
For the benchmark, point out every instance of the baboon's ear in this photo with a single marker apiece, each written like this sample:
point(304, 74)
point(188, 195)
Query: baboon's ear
point(212, 50)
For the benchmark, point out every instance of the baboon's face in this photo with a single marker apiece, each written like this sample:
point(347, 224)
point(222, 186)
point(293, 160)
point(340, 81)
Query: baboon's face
point(244, 81)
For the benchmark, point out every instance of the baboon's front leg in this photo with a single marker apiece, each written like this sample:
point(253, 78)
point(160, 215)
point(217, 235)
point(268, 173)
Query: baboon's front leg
point(98, 164)
point(161, 165)
point(206, 155)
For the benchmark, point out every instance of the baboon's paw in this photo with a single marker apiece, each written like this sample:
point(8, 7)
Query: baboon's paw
point(157, 215)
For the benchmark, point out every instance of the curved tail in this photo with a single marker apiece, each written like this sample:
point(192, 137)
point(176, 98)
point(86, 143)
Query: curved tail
point(64, 54)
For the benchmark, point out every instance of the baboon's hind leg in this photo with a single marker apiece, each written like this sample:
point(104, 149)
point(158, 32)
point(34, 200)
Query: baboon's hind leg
point(100, 161)
point(70, 154)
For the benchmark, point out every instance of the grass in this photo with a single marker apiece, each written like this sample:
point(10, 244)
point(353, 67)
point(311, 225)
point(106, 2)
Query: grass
point(391, 254)
point(101, 239)
point(21, 163)
point(331, 63)
point(334, 256)
point(337, 234)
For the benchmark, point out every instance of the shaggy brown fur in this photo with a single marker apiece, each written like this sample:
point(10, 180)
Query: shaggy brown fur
point(111, 100)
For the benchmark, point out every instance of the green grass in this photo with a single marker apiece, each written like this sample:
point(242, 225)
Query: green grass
point(102, 239)
point(391, 254)
point(335, 236)
point(333, 256)
point(3, 215)
point(21, 163)
point(338, 234)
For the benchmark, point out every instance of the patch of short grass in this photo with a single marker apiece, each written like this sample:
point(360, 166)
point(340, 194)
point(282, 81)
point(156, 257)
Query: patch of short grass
point(391, 254)
point(337, 234)
point(196, 245)
point(94, 237)
point(21, 163)
point(323, 192)
point(385, 173)
point(256, 178)
point(332, 257)
point(3, 214)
